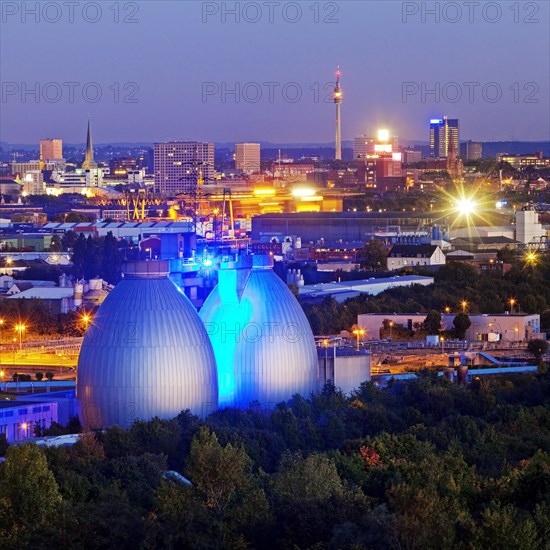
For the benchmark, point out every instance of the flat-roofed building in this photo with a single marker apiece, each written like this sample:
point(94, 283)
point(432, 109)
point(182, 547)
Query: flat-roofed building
point(18, 419)
point(247, 157)
point(181, 166)
point(51, 149)
point(484, 327)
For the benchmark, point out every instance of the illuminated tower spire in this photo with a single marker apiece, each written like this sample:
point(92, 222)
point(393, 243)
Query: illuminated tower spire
point(89, 161)
point(338, 98)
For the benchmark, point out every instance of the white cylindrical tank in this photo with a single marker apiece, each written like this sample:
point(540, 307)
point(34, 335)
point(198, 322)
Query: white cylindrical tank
point(78, 293)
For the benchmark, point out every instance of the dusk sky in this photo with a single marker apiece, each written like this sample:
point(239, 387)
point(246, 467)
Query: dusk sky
point(180, 54)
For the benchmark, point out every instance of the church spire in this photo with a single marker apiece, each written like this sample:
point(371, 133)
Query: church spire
point(89, 161)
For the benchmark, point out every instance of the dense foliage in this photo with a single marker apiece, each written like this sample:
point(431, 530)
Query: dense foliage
point(420, 465)
point(40, 319)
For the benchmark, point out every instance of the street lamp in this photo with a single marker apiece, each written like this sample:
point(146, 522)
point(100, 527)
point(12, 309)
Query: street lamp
point(20, 329)
point(464, 305)
point(531, 258)
point(442, 345)
point(1, 324)
point(325, 345)
point(512, 302)
point(516, 330)
point(358, 332)
point(447, 309)
point(391, 327)
point(86, 319)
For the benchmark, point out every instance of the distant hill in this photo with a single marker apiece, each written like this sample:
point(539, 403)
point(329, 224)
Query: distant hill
point(106, 151)
point(493, 148)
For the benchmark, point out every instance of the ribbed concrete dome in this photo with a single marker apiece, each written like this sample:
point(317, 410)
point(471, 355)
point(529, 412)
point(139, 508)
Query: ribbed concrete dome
point(265, 350)
point(146, 354)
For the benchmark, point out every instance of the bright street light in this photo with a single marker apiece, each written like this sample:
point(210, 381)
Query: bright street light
point(20, 329)
point(358, 332)
point(86, 319)
point(466, 206)
point(531, 258)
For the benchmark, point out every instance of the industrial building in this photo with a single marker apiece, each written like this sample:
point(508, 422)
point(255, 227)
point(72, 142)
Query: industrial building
point(344, 367)
point(338, 227)
point(351, 289)
point(485, 327)
point(18, 419)
point(148, 353)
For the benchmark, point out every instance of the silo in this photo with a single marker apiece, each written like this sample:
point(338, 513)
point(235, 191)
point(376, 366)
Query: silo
point(145, 354)
point(264, 347)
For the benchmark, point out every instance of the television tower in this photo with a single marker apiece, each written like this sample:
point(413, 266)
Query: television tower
point(338, 98)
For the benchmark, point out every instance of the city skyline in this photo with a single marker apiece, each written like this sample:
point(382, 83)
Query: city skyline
point(390, 67)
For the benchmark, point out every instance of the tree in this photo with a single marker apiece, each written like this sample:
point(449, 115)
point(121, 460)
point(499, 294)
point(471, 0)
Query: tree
point(92, 259)
point(506, 255)
point(56, 244)
point(217, 472)
point(30, 495)
point(227, 498)
point(49, 375)
point(373, 255)
point(68, 240)
point(3, 444)
point(538, 348)
point(39, 376)
point(461, 323)
point(432, 323)
point(79, 255)
point(314, 477)
point(111, 261)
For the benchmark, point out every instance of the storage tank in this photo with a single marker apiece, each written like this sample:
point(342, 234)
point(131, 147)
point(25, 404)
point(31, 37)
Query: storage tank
point(145, 354)
point(264, 347)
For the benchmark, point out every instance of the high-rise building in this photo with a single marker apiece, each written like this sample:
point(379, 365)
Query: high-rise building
point(338, 98)
point(51, 149)
point(442, 132)
point(473, 150)
point(181, 166)
point(247, 157)
point(362, 146)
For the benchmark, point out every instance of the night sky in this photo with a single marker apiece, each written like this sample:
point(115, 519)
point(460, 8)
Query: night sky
point(163, 67)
